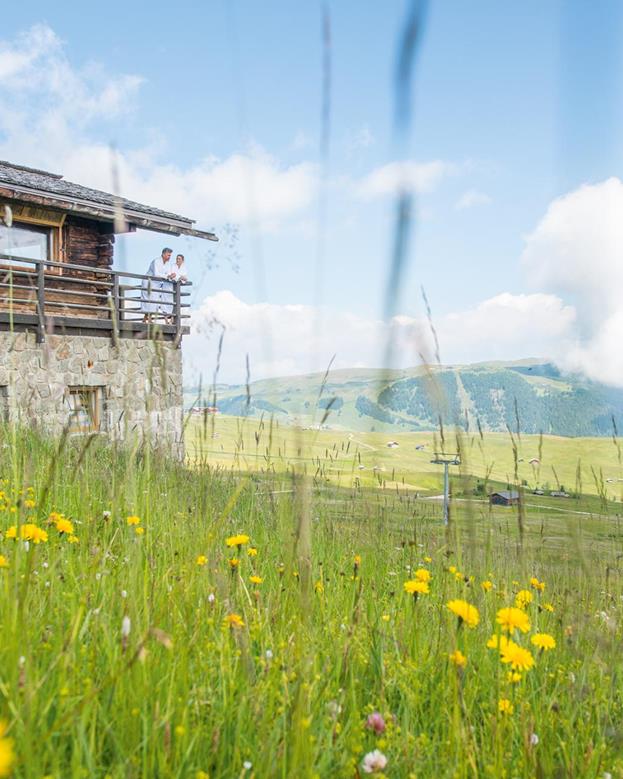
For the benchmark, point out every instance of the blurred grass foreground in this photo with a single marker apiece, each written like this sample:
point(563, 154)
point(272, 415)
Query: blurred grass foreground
point(161, 621)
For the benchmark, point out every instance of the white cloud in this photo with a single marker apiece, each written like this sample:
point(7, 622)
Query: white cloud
point(575, 250)
point(294, 339)
point(391, 178)
point(472, 198)
point(52, 116)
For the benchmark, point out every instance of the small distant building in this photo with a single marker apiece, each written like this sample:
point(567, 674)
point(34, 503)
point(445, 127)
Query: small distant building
point(504, 498)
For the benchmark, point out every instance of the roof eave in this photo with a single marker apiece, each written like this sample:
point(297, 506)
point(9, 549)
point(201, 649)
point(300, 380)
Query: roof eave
point(103, 213)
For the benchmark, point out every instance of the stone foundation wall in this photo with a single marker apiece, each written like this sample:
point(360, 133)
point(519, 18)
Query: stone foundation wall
point(140, 381)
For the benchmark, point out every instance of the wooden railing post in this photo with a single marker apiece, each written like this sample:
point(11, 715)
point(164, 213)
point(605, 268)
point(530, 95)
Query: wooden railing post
point(40, 302)
point(178, 312)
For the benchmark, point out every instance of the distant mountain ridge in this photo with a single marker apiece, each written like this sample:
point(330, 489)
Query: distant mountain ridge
point(530, 395)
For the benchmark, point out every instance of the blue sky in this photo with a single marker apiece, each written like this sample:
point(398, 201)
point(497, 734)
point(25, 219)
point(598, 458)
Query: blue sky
point(516, 104)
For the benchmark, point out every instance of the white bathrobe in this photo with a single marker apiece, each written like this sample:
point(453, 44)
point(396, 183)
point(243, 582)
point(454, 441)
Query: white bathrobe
point(156, 295)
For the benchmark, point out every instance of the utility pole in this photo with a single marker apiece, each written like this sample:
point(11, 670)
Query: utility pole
point(442, 458)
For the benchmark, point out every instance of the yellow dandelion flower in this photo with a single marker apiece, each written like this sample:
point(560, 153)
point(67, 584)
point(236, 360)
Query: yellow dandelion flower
point(511, 619)
point(201, 559)
point(252, 551)
point(534, 582)
point(233, 621)
point(513, 677)
point(458, 658)
point(234, 562)
point(423, 575)
point(139, 531)
point(4, 563)
point(357, 560)
point(385, 617)
point(319, 586)
point(238, 540)
point(548, 607)
point(11, 532)
point(486, 585)
point(428, 559)
point(465, 612)
point(72, 539)
point(497, 642)
point(133, 520)
point(29, 503)
point(543, 641)
point(256, 579)
point(7, 755)
point(523, 598)
point(517, 657)
point(64, 525)
point(416, 587)
point(505, 706)
point(452, 569)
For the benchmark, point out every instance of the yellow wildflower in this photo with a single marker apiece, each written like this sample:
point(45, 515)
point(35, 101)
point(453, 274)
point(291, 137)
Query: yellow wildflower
point(252, 551)
point(452, 569)
point(486, 585)
point(415, 587)
point(29, 503)
point(548, 607)
point(11, 532)
point(385, 617)
point(543, 641)
point(458, 658)
point(133, 520)
point(505, 706)
point(524, 598)
point(513, 677)
point(233, 621)
point(234, 562)
point(238, 540)
point(512, 619)
point(465, 612)
point(423, 575)
point(72, 539)
point(319, 586)
point(357, 560)
point(64, 525)
point(497, 642)
point(4, 563)
point(517, 657)
point(428, 559)
point(202, 559)
point(534, 582)
point(7, 755)
point(256, 579)
point(139, 531)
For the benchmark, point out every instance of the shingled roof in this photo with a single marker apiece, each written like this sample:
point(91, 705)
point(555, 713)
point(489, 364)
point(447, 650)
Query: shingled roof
point(38, 186)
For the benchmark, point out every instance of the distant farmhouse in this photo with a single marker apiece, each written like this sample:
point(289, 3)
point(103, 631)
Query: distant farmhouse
point(504, 498)
point(75, 351)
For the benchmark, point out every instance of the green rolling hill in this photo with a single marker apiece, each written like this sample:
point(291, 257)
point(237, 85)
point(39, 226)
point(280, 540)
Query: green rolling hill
point(529, 396)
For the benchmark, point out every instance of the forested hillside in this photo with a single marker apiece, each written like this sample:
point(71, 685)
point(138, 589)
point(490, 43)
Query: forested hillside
point(529, 396)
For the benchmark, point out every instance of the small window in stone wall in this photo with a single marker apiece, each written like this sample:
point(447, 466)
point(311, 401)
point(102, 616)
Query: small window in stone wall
point(4, 403)
point(86, 407)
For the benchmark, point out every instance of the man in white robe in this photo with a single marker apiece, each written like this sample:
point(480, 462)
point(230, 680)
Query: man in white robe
point(157, 292)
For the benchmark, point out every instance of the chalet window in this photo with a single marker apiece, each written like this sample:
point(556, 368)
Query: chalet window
point(85, 409)
point(27, 241)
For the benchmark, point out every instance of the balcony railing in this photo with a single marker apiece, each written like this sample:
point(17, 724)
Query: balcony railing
point(47, 294)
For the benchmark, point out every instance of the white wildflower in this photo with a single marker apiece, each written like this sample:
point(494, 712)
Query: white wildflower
point(126, 626)
point(534, 739)
point(374, 762)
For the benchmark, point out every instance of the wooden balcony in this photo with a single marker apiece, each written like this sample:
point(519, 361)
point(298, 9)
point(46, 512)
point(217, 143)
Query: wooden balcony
point(62, 298)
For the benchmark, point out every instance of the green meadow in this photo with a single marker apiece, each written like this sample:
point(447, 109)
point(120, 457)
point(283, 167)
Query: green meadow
point(590, 466)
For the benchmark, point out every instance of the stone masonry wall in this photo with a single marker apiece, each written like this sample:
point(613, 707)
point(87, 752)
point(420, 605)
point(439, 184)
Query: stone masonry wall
point(141, 383)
